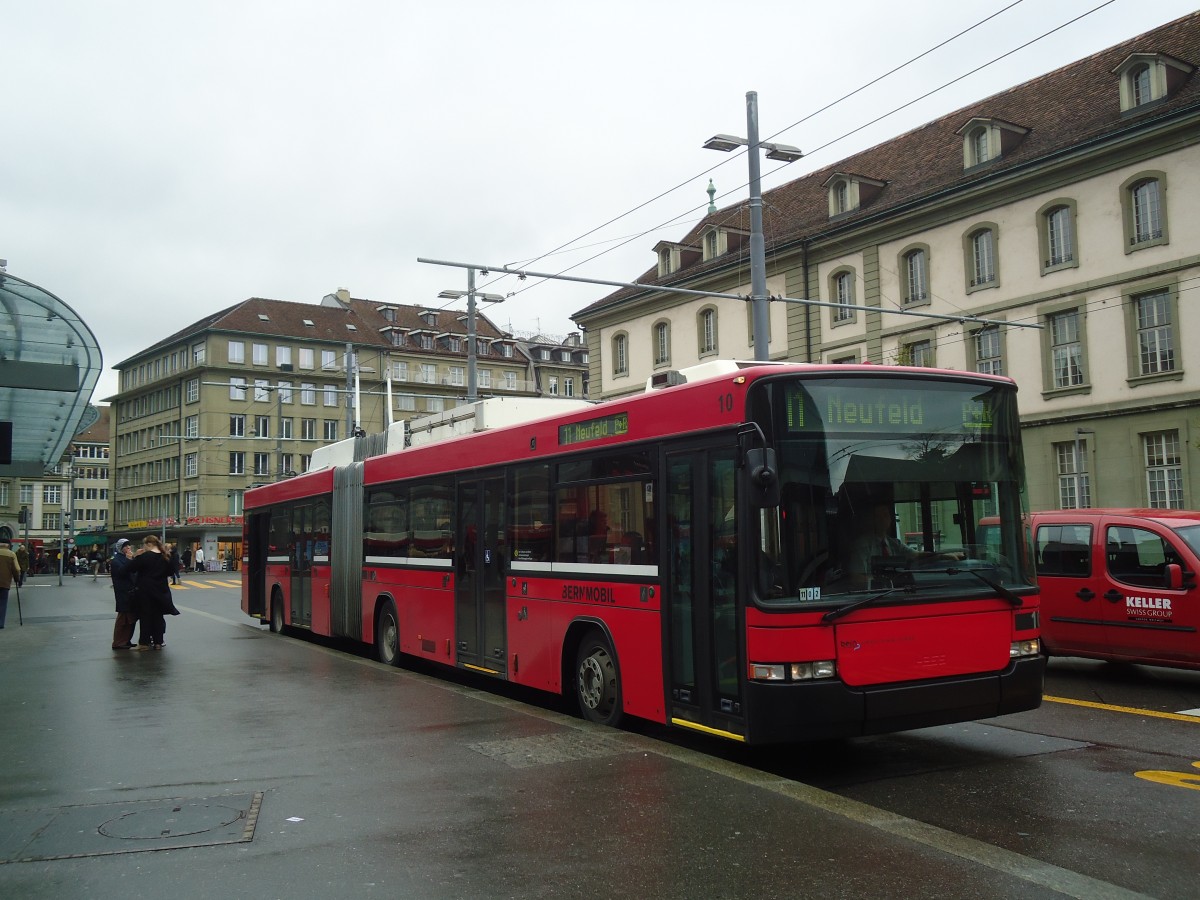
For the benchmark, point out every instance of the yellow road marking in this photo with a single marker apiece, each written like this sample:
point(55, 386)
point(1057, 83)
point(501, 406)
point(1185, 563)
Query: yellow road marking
point(1132, 710)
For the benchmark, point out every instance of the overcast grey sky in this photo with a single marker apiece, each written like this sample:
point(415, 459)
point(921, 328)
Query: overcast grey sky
point(164, 159)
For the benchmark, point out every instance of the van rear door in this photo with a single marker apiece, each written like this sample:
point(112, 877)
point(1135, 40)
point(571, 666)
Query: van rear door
point(1070, 577)
point(1146, 618)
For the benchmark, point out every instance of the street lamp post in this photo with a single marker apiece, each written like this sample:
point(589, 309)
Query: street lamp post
point(758, 262)
point(470, 293)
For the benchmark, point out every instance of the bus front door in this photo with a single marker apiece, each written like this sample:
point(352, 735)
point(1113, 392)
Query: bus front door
point(301, 562)
point(481, 550)
point(704, 684)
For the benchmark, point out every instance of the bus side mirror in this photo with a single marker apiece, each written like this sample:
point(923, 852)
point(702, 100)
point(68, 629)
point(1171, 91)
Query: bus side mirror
point(1174, 577)
point(762, 477)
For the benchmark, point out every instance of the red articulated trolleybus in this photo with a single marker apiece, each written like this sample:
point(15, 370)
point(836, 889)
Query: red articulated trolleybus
point(764, 552)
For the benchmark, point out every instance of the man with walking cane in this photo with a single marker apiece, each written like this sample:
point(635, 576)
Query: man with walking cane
point(10, 573)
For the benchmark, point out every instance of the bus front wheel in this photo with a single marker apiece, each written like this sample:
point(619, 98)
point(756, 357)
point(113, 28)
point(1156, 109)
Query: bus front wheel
point(387, 636)
point(277, 613)
point(597, 681)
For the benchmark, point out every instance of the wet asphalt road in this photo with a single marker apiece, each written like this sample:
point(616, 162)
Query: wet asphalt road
point(238, 763)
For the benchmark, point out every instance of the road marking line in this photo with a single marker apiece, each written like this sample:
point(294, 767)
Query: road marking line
point(1131, 710)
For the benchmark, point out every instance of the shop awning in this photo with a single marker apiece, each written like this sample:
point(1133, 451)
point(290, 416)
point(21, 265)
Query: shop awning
point(87, 540)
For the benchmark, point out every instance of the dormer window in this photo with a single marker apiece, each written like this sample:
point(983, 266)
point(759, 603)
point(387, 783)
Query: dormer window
point(985, 140)
point(429, 316)
point(673, 257)
point(388, 313)
point(1147, 78)
point(454, 345)
point(712, 244)
point(850, 192)
point(668, 260)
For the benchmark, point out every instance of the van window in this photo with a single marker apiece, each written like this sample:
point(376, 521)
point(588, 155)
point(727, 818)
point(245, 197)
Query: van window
point(1137, 556)
point(1064, 550)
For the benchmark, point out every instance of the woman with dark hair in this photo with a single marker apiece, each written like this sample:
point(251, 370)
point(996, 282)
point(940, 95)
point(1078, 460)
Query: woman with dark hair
point(152, 566)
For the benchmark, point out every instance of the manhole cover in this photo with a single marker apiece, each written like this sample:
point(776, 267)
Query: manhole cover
point(170, 820)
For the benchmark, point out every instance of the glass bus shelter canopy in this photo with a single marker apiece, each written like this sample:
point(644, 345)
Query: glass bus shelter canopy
point(49, 365)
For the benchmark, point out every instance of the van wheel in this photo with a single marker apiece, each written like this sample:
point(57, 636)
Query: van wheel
point(277, 613)
point(597, 680)
point(387, 635)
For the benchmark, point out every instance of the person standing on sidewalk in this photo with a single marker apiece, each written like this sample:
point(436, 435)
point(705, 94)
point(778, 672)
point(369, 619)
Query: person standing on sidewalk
point(10, 571)
point(122, 583)
point(152, 566)
point(23, 561)
point(176, 563)
point(199, 559)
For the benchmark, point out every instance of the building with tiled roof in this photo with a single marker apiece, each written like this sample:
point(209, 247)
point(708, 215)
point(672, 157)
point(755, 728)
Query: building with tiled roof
point(244, 396)
point(1065, 202)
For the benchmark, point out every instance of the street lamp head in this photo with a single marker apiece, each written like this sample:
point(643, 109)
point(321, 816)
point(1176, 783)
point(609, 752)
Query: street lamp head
point(724, 142)
point(451, 295)
point(783, 152)
point(492, 298)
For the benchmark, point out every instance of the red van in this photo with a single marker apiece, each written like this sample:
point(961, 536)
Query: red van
point(1120, 584)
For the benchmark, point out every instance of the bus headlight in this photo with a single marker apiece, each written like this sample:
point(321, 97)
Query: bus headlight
point(823, 668)
point(1024, 648)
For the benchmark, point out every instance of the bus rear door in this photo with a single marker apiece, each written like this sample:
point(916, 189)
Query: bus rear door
point(481, 548)
point(703, 630)
point(301, 563)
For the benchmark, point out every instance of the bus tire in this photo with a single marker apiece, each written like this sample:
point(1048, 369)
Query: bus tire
point(598, 681)
point(387, 635)
point(276, 612)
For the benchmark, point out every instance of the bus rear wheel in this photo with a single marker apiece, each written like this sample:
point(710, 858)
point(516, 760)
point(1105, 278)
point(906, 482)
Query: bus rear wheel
point(387, 636)
point(277, 613)
point(597, 681)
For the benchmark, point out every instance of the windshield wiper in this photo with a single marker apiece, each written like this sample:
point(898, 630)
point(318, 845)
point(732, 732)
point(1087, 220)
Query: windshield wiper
point(996, 586)
point(859, 604)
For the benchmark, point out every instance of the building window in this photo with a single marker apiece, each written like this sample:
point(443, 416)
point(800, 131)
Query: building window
point(568, 387)
point(262, 426)
point(283, 355)
point(710, 244)
point(1164, 470)
point(1155, 337)
point(707, 322)
point(1057, 226)
point(428, 374)
point(329, 395)
point(262, 390)
point(506, 350)
point(664, 261)
point(454, 344)
point(262, 464)
point(916, 276)
point(917, 353)
point(1143, 201)
point(237, 352)
point(191, 465)
point(839, 198)
point(237, 426)
point(52, 493)
point(285, 428)
point(457, 376)
point(406, 402)
point(552, 385)
point(981, 258)
point(198, 354)
point(1066, 349)
point(510, 381)
point(841, 289)
point(191, 426)
point(285, 391)
point(1147, 212)
point(237, 388)
point(485, 378)
point(237, 462)
point(259, 354)
point(434, 404)
point(1139, 85)
point(399, 371)
point(306, 357)
point(1074, 483)
point(308, 394)
point(979, 148)
point(330, 429)
point(308, 429)
point(328, 360)
point(988, 359)
point(662, 343)
point(620, 344)
point(193, 390)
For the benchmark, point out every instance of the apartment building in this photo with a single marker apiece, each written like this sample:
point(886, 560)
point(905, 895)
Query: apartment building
point(1067, 202)
point(245, 395)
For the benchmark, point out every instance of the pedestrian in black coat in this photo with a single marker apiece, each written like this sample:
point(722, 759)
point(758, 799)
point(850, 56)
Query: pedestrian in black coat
point(152, 566)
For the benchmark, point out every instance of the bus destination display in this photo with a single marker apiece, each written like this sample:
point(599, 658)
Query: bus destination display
point(881, 410)
point(594, 429)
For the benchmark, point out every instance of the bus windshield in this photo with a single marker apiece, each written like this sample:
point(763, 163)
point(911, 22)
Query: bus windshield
point(885, 482)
